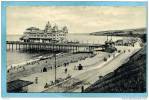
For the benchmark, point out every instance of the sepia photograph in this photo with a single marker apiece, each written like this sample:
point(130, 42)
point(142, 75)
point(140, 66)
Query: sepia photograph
point(76, 49)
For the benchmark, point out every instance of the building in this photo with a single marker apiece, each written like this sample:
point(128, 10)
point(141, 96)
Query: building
point(129, 42)
point(18, 86)
point(49, 34)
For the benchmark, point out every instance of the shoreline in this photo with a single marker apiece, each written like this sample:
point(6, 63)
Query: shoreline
point(28, 56)
point(35, 58)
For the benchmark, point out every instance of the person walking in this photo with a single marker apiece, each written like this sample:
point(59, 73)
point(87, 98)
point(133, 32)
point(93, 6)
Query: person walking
point(75, 68)
point(82, 89)
point(65, 70)
point(36, 80)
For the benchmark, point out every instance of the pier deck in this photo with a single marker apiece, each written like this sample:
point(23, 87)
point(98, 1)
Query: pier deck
point(52, 46)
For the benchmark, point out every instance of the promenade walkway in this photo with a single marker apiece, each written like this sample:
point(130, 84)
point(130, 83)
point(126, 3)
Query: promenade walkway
point(93, 68)
point(90, 76)
point(47, 77)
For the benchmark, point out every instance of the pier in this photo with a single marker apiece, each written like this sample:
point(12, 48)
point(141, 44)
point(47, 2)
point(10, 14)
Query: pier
point(74, 47)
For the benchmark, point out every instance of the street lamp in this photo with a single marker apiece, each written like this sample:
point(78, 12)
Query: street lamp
point(55, 66)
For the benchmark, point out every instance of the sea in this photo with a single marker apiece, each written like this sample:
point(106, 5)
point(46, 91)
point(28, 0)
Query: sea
point(15, 57)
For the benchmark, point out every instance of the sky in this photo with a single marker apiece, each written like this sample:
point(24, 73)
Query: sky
point(82, 19)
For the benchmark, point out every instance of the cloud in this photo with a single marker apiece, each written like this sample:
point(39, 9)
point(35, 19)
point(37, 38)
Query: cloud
point(82, 19)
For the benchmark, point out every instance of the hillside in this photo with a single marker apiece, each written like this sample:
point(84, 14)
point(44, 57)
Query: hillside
point(139, 32)
point(130, 77)
point(121, 32)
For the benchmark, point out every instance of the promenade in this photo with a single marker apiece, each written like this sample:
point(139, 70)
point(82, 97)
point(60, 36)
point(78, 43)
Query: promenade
point(91, 75)
point(47, 77)
point(92, 68)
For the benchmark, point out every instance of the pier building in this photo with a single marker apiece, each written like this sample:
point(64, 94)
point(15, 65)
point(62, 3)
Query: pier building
point(47, 35)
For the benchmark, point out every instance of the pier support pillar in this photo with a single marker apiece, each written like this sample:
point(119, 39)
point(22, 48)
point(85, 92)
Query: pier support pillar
point(9, 46)
point(12, 47)
point(16, 46)
point(73, 49)
point(19, 46)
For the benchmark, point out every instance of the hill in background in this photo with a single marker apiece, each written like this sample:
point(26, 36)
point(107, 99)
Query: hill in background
point(139, 32)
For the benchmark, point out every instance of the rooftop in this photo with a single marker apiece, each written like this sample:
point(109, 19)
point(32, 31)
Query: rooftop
point(17, 84)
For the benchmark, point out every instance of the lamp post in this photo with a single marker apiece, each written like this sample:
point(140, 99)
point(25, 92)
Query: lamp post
point(54, 63)
point(55, 66)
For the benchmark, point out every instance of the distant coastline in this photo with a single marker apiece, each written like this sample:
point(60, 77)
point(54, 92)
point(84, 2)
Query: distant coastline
point(123, 32)
point(138, 32)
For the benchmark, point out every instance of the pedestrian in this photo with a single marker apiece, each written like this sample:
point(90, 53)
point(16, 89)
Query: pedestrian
point(46, 85)
point(52, 82)
point(65, 64)
point(23, 68)
point(36, 80)
point(82, 89)
point(74, 67)
point(65, 70)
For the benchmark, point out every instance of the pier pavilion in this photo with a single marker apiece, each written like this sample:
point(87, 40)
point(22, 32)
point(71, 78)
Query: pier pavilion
point(47, 35)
